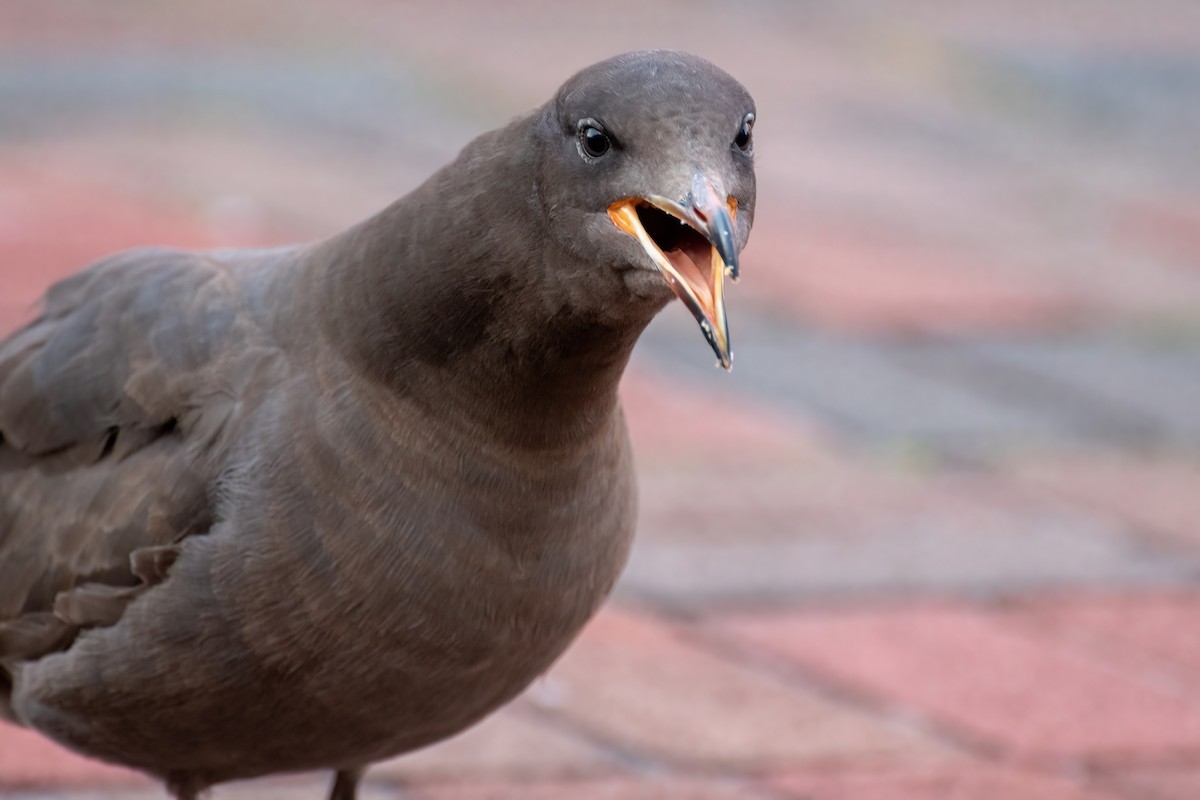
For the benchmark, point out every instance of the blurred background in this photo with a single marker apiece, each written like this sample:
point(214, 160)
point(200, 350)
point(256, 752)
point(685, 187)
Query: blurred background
point(936, 536)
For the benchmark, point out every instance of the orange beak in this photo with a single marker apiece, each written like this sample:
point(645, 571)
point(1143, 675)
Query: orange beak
point(692, 245)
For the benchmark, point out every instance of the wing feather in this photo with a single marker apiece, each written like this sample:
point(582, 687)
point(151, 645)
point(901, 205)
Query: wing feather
point(115, 405)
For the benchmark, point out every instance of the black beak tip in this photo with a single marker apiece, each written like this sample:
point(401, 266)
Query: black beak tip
point(723, 241)
point(724, 358)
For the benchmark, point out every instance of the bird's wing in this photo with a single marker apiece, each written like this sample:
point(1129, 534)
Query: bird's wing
point(116, 405)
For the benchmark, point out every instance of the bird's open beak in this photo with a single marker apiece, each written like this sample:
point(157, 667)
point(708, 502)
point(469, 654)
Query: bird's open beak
point(692, 245)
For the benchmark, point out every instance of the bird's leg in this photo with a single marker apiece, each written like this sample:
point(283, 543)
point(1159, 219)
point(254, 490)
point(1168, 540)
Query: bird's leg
point(345, 784)
point(183, 785)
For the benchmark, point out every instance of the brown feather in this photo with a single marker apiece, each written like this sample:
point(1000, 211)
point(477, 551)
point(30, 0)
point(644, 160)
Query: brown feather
point(312, 507)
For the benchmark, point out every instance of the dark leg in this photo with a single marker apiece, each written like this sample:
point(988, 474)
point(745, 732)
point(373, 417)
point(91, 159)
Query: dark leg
point(183, 785)
point(345, 784)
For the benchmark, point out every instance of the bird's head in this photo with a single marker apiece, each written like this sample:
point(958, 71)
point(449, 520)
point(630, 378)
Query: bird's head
point(647, 169)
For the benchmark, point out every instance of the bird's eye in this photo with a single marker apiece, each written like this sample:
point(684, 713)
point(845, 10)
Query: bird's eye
point(593, 141)
point(742, 140)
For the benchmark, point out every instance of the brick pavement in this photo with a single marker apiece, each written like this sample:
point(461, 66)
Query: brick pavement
point(935, 537)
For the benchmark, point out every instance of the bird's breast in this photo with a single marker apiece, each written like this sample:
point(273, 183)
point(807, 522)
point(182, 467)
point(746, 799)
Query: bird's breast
point(403, 572)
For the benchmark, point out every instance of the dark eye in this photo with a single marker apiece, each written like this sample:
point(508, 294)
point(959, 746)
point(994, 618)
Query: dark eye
point(742, 140)
point(593, 141)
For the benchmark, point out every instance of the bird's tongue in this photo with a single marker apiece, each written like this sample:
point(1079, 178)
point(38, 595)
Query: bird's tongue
point(693, 262)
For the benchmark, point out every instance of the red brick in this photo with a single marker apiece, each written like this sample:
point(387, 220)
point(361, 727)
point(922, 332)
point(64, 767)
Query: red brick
point(1150, 634)
point(705, 507)
point(306, 786)
point(1170, 226)
point(28, 759)
point(509, 743)
point(1180, 782)
point(252, 188)
point(970, 670)
point(839, 497)
point(52, 225)
point(820, 495)
point(862, 278)
point(1157, 495)
point(87, 27)
point(609, 789)
point(675, 422)
point(634, 682)
point(951, 782)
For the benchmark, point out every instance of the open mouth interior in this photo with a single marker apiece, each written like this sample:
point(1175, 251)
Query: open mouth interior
point(689, 252)
point(688, 260)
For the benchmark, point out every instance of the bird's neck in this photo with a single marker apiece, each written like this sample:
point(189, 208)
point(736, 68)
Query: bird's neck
point(455, 297)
